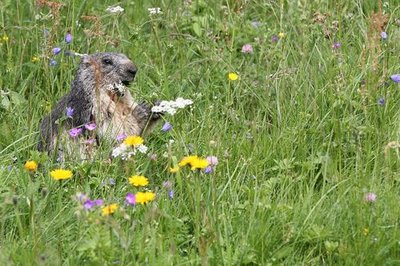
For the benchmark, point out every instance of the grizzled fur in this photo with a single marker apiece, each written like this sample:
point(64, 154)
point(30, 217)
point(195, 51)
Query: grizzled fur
point(95, 97)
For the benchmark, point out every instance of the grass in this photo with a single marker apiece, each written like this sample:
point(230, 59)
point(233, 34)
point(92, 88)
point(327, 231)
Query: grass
point(300, 137)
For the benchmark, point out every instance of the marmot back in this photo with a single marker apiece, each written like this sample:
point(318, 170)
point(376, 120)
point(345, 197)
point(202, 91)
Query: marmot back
point(98, 94)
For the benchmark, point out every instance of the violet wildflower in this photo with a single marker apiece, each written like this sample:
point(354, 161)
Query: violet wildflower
point(247, 49)
point(384, 35)
point(274, 38)
point(381, 101)
point(88, 204)
point(208, 170)
point(130, 199)
point(76, 131)
point(395, 78)
point(53, 62)
point(121, 137)
point(69, 112)
point(90, 141)
point(68, 37)
point(336, 45)
point(56, 50)
point(171, 194)
point(90, 126)
point(98, 202)
point(370, 197)
point(166, 127)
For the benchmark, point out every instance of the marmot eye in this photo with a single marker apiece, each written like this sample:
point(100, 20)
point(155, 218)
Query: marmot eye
point(107, 61)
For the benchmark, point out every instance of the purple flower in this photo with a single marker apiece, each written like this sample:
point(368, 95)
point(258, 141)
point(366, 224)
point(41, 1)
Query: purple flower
point(171, 194)
point(212, 160)
point(68, 37)
point(130, 199)
point(98, 202)
point(384, 35)
point(166, 127)
point(88, 204)
point(53, 62)
point(381, 101)
point(395, 78)
point(370, 197)
point(70, 112)
point(90, 141)
point(56, 50)
point(247, 49)
point(121, 137)
point(336, 45)
point(90, 126)
point(274, 38)
point(76, 131)
point(81, 197)
point(167, 184)
point(209, 169)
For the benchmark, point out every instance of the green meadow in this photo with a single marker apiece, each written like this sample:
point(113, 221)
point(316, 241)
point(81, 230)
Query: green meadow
point(297, 100)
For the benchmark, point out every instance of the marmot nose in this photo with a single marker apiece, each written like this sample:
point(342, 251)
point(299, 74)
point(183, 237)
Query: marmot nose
point(132, 71)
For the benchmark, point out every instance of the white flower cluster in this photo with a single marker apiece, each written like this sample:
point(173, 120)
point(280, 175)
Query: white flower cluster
point(125, 152)
point(170, 107)
point(121, 88)
point(115, 9)
point(154, 10)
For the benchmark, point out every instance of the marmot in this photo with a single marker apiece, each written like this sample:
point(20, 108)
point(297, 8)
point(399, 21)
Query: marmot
point(99, 94)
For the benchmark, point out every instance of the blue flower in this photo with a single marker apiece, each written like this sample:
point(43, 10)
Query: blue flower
point(69, 112)
point(395, 78)
point(53, 62)
point(166, 127)
point(56, 50)
point(68, 37)
point(381, 101)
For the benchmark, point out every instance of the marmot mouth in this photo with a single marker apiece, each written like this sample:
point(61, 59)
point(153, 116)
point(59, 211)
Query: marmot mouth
point(126, 82)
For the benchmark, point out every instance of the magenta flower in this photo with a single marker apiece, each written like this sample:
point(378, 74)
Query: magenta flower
point(370, 197)
point(76, 131)
point(90, 141)
point(130, 199)
point(56, 50)
point(70, 112)
point(336, 45)
point(89, 204)
point(68, 37)
point(121, 137)
point(247, 49)
point(166, 127)
point(395, 78)
point(90, 126)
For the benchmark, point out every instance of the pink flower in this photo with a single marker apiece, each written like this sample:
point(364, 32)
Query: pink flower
point(370, 197)
point(247, 49)
point(130, 199)
point(76, 131)
point(212, 160)
point(90, 126)
point(121, 137)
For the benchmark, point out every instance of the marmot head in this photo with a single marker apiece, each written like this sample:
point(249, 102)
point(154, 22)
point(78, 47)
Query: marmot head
point(111, 71)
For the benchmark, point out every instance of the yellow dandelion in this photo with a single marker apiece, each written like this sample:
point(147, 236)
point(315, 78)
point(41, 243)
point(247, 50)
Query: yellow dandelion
point(31, 166)
point(5, 38)
point(35, 59)
point(145, 197)
point(133, 140)
point(174, 169)
point(233, 76)
point(187, 160)
point(199, 163)
point(281, 35)
point(138, 180)
point(109, 209)
point(61, 174)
